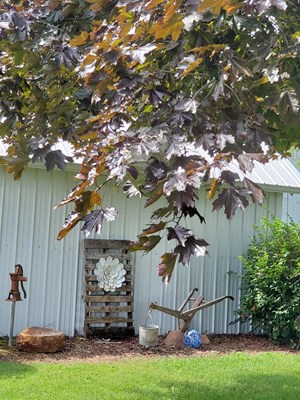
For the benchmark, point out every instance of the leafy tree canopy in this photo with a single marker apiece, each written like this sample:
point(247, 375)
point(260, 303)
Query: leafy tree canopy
point(159, 96)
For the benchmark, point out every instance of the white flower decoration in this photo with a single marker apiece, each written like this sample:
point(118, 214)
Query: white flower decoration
point(110, 273)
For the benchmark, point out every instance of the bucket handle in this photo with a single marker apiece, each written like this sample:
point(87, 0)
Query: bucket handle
point(149, 317)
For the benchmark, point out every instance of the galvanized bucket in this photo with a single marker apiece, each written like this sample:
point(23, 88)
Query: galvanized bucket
point(148, 333)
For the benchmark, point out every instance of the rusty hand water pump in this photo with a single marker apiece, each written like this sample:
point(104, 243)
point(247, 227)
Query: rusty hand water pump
point(14, 296)
point(16, 277)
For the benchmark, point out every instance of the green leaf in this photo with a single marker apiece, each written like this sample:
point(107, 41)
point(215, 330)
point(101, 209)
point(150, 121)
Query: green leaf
point(15, 165)
point(172, 27)
point(153, 4)
point(70, 222)
point(153, 228)
point(80, 39)
point(166, 267)
point(241, 66)
point(193, 65)
point(145, 243)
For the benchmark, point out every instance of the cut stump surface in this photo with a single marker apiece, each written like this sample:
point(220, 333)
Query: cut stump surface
point(175, 338)
point(40, 340)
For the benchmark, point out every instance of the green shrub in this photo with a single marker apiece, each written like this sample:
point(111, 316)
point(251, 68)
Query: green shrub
point(271, 280)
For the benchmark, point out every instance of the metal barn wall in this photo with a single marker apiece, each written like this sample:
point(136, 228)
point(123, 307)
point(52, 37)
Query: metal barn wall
point(28, 236)
point(214, 275)
point(291, 207)
point(291, 202)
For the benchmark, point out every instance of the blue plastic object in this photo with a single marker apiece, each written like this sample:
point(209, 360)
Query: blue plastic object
point(192, 339)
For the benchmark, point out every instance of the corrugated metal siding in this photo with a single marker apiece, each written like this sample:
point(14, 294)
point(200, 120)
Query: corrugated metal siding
point(28, 236)
point(291, 207)
point(277, 175)
point(291, 202)
point(215, 275)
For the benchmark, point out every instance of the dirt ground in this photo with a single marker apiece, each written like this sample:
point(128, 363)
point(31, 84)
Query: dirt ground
point(96, 350)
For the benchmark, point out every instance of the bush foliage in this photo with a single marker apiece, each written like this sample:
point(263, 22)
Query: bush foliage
point(271, 280)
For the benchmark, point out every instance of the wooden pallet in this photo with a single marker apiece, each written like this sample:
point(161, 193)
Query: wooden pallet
point(107, 314)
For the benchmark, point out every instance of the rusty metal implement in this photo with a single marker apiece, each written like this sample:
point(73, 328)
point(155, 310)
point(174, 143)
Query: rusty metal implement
point(185, 317)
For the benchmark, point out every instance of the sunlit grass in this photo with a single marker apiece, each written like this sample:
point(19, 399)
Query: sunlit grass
point(239, 376)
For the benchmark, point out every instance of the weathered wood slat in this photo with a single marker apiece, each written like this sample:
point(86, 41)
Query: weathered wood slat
point(91, 267)
point(121, 309)
point(95, 255)
point(107, 320)
point(96, 288)
point(108, 299)
point(106, 244)
point(120, 293)
point(93, 278)
point(115, 308)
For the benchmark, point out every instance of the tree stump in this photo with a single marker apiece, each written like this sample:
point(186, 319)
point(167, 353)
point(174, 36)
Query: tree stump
point(40, 340)
point(174, 338)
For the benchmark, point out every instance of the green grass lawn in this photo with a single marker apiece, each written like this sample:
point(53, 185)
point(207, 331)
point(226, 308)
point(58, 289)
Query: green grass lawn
point(236, 376)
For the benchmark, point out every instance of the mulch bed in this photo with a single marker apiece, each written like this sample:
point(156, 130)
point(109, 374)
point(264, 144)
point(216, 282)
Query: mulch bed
point(96, 350)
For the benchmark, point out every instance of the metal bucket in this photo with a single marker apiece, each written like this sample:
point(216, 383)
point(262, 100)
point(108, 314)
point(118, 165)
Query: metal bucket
point(148, 333)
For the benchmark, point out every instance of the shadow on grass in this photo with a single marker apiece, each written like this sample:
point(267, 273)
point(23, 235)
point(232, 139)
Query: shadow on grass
point(10, 369)
point(254, 387)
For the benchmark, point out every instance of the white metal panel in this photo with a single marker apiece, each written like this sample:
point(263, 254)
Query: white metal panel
point(291, 202)
point(291, 207)
point(277, 175)
point(28, 236)
point(221, 276)
point(215, 275)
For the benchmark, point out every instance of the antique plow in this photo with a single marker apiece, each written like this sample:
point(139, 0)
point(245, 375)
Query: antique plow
point(185, 317)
